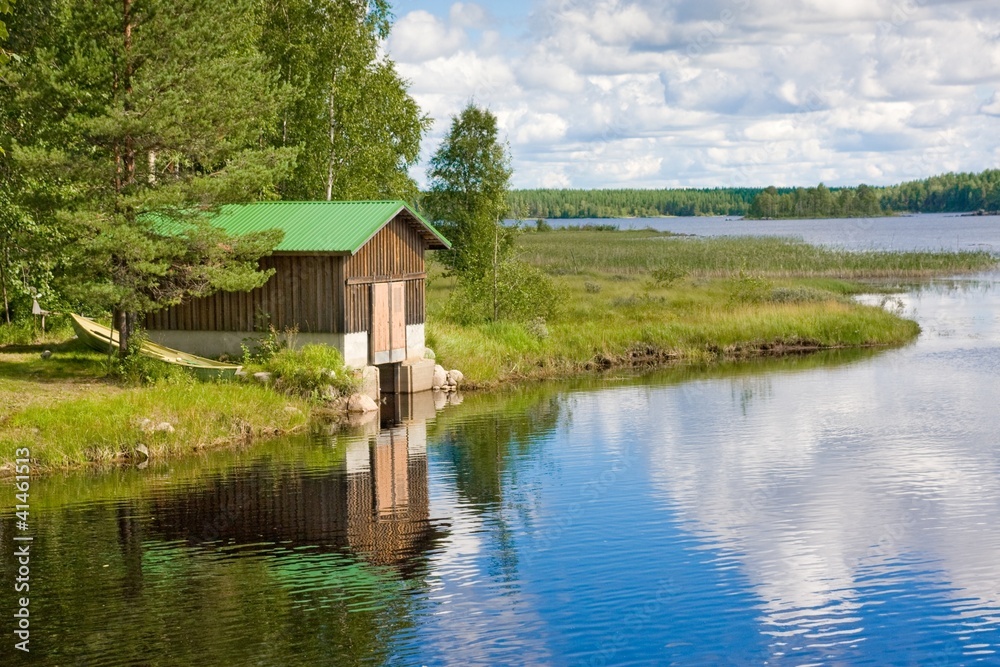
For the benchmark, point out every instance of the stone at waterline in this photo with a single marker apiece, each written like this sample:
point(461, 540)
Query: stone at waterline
point(455, 378)
point(440, 377)
point(357, 420)
point(361, 403)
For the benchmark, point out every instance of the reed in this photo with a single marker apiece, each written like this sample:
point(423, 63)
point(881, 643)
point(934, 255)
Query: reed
point(642, 252)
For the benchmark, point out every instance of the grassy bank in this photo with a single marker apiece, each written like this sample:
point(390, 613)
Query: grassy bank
point(638, 298)
point(67, 412)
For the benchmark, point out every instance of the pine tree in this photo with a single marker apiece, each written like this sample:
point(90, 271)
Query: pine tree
point(133, 119)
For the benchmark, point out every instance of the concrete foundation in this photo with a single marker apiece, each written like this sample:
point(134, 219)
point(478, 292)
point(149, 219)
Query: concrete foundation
point(415, 341)
point(353, 347)
point(409, 377)
point(217, 343)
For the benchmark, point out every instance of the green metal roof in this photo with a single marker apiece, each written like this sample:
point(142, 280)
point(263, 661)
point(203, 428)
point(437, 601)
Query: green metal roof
point(322, 226)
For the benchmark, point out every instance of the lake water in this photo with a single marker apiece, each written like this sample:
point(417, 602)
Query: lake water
point(841, 508)
point(929, 231)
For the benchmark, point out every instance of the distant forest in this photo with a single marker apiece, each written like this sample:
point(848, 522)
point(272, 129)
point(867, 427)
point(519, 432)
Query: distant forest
point(948, 193)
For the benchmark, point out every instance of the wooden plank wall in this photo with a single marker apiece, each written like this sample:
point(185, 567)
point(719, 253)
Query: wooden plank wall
point(396, 251)
point(306, 291)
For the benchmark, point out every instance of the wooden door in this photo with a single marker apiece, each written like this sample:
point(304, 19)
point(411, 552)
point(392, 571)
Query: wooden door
point(397, 322)
point(388, 336)
point(381, 333)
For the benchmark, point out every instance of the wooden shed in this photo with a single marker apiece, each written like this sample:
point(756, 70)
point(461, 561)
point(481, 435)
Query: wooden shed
point(347, 274)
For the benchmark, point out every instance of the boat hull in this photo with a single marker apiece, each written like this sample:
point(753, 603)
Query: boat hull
point(99, 337)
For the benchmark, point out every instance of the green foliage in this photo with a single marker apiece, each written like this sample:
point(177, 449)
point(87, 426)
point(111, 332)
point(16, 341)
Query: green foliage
point(135, 369)
point(542, 225)
point(631, 203)
point(261, 349)
point(469, 181)
point(27, 331)
point(749, 288)
point(309, 371)
point(818, 202)
point(105, 427)
point(120, 144)
point(946, 193)
point(665, 276)
point(798, 294)
point(588, 228)
point(516, 292)
point(470, 176)
point(347, 108)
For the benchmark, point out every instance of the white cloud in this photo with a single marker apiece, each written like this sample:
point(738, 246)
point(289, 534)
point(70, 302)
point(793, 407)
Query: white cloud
point(718, 92)
point(421, 36)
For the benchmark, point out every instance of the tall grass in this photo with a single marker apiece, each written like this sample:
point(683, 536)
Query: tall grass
point(641, 252)
point(29, 332)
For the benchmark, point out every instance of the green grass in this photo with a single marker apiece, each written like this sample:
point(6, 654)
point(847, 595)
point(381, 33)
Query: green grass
point(108, 427)
point(68, 411)
point(645, 298)
point(308, 371)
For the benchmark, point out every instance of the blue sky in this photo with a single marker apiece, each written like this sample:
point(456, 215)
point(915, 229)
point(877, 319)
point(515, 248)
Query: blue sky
point(703, 93)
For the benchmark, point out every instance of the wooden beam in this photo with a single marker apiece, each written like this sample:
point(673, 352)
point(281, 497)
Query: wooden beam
point(368, 280)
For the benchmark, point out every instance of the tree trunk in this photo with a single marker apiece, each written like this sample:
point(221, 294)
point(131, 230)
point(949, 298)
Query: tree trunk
point(3, 281)
point(121, 323)
point(496, 250)
point(333, 137)
point(332, 110)
point(128, 158)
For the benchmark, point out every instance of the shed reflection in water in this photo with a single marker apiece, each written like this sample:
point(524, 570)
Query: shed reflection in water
point(374, 504)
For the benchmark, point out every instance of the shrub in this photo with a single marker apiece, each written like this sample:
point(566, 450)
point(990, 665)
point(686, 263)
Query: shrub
point(260, 350)
point(542, 225)
point(538, 328)
point(667, 275)
point(592, 288)
point(137, 369)
point(521, 292)
point(309, 371)
point(749, 289)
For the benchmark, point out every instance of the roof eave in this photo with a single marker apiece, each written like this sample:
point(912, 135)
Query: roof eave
point(435, 241)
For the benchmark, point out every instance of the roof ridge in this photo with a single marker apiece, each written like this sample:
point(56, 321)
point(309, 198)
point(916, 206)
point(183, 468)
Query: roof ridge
point(312, 201)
